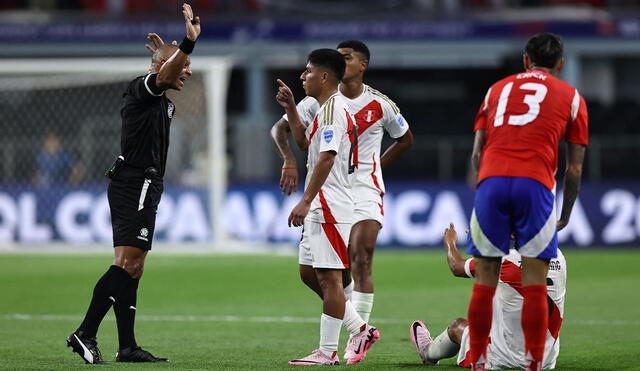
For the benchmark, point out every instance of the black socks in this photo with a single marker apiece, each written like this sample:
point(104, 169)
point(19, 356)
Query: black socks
point(104, 295)
point(125, 310)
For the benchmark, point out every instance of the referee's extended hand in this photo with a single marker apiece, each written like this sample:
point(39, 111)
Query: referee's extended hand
point(296, 218)
point(155, 41)
point(192, 23)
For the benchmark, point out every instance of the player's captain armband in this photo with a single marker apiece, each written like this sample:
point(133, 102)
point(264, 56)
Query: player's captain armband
point(150, 85)
point(468, 269)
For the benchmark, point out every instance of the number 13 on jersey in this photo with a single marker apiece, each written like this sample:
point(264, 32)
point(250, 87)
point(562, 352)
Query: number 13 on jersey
point(535, 95)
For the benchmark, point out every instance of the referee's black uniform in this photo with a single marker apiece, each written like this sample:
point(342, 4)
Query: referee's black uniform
point(136, 188)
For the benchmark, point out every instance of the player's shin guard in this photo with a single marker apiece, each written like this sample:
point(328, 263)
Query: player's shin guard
point(104, 293)
point(535, 321)
point(480, 315)
point(125, 310)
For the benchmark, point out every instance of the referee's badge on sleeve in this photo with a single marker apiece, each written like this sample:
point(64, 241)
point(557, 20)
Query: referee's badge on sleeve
point(170, 110)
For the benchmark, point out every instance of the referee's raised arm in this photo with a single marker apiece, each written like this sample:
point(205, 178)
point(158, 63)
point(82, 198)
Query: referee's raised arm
point(170, 71)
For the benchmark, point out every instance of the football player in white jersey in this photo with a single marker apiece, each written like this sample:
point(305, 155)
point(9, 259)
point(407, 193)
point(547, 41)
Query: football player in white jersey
point(326, 207)
point(375, 113)
point(506, 348)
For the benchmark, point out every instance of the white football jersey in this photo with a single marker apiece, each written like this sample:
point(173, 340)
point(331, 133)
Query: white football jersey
point(333, 129)
point(506, 331)
point(374, 113)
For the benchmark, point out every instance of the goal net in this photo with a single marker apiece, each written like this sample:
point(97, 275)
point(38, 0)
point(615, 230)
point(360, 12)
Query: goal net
point(61, 130)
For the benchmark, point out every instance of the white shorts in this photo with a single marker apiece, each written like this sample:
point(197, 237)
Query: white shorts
point(368, 210)
point(501, 355)
point(324, 245)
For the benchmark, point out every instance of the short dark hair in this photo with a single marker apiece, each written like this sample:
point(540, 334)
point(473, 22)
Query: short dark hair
point(544, 49)
point(357, 46)
point(329, 59)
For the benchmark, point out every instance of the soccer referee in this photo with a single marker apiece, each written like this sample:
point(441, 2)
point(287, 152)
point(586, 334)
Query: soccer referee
point(134, 193)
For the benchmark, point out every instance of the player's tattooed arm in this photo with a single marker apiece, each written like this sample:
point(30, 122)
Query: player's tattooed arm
point(572, 179)
point(287, 101)
point(454, 259)
point(289, 172)
point(478, 145)
point(400, 146)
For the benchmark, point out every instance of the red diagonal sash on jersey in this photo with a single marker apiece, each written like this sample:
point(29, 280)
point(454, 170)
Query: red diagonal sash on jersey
point(337, 242)
point(353, 137)
point(511, 274)
point(375, 182)
point(368, 116)
point(314, 128)
point(326, 211)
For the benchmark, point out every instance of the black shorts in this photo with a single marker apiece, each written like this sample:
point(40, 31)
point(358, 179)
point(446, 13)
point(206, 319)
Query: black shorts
point(133, 201)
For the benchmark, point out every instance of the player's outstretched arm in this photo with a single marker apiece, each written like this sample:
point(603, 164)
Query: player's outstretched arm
point(572, 179)
point(289, 172)
point(287, 101)
point(171, 70)
point(400, 146)
point(320, 173)
point(454, 259)
point(478, 145)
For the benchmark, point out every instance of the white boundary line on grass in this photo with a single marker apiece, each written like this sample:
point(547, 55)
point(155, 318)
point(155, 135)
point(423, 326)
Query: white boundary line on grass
point(283, 319)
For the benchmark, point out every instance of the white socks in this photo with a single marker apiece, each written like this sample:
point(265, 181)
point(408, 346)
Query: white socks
point(329, 334)
point(363, 303)
point(352, 320)
point(442, 347)
point(349, 289)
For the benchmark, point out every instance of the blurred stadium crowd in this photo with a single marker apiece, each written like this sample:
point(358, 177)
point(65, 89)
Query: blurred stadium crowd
point(451, 7)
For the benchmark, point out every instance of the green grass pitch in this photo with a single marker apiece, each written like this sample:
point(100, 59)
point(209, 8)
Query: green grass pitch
point(217, 312)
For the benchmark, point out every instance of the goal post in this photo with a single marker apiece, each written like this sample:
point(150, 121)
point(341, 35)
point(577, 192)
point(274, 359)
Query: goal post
point(61, 127)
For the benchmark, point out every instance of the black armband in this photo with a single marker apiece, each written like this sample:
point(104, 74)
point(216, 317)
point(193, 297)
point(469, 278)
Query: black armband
point(187, 45)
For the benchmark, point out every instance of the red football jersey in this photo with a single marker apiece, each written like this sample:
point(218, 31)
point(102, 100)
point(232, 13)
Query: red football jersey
point(525, 115)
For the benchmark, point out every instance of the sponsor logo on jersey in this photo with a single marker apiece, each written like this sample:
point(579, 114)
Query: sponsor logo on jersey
point(328, 136)
point(400, 120)
point(170, 110)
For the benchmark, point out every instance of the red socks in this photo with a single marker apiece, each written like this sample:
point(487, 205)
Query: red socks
point(480, 315)
point(535, 320)
point(534, 324)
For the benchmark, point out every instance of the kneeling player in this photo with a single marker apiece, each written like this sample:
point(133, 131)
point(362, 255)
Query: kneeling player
point(506, 346)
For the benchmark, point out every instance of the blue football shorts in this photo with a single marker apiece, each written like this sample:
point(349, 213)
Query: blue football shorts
point(503, 205)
